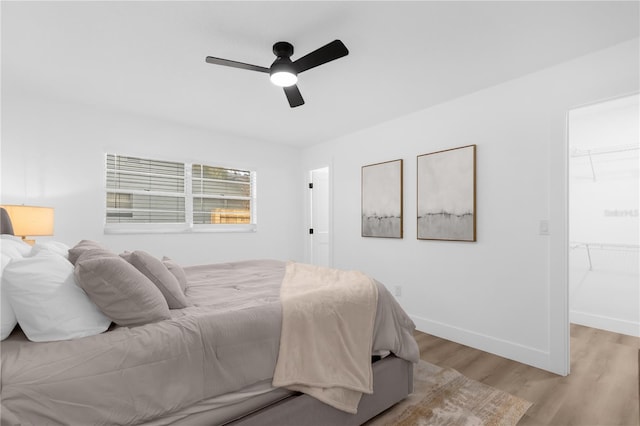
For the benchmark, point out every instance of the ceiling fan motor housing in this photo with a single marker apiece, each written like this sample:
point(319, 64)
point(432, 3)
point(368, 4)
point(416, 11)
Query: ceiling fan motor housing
point(282, 65)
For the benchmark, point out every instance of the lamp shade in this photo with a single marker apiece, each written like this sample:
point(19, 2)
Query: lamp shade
point(30, 220)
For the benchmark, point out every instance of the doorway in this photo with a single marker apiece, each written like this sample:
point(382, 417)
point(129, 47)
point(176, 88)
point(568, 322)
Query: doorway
point(319, 218)
point(604, 258)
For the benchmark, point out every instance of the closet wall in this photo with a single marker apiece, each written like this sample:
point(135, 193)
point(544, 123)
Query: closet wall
point(604, 256)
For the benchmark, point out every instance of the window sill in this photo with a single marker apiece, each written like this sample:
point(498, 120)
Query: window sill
point(122, 228)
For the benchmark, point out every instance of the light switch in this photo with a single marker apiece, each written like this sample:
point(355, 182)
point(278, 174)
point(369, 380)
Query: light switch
point(544, 227)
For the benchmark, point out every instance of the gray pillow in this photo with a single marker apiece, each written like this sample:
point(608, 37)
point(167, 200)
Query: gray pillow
point(177, 272)
point(121, 292)
point(81, 247)
point(94, 253)
point(155, 270)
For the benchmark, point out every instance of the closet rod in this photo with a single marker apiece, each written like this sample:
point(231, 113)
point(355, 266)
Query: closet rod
point(606, 246)
point(577, 153)
point(598, 151)
point(603, 246)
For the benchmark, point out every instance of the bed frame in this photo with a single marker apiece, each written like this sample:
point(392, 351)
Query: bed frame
point(6, 227)
point(392, 382)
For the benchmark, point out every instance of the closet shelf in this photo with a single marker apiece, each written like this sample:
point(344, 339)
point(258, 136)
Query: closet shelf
point(603, 246)
point(576, 153)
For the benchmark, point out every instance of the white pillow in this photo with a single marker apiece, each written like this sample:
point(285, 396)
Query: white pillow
point(13, 246)
point(48, 303)
point(55, 247)
point(8, 319)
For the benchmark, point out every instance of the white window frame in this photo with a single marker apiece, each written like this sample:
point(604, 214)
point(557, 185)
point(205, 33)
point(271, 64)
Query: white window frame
point(188, 226)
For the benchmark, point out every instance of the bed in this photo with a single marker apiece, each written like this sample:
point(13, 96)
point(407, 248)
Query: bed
point(212, 362)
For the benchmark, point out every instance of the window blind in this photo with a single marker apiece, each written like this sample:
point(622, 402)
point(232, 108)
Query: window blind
point(144, 191)
point(150, 193)
point(221, 195)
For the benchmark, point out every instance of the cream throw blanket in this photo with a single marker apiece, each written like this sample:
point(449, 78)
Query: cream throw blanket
point(328, 317)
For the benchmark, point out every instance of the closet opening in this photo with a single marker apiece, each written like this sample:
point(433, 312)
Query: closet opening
point(604, 285)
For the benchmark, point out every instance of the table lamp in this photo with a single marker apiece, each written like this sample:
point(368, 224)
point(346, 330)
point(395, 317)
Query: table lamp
point(30, 221)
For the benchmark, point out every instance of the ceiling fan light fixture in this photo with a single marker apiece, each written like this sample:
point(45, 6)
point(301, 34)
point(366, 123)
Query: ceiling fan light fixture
point(283, 78)
point(282, 72)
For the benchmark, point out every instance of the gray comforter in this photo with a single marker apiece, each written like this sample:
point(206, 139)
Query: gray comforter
point(228, 340)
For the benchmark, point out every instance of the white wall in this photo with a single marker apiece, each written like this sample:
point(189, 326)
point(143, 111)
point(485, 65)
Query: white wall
point(53, 155)
point(506, 293)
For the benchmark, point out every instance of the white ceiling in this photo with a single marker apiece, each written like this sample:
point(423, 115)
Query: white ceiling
point(148, 57)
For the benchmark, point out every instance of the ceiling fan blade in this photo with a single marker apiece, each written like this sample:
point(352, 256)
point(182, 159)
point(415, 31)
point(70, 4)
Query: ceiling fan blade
point(293, 96)
point(235, 64)
point(327, 53)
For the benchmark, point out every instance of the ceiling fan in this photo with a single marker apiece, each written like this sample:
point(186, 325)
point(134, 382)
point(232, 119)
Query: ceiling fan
point(284, 72)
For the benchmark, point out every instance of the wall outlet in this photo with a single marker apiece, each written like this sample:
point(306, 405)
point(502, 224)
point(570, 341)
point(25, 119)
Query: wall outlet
point(398, 290)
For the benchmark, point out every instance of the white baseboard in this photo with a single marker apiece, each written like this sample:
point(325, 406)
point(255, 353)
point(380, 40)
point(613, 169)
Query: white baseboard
point(602, 322)
point(504, 348)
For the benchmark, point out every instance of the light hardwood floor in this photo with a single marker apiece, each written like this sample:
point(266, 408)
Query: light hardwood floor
point(602, 389)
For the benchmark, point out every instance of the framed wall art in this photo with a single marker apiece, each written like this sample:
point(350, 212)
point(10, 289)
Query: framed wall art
point(382, 200)
point(447, 195)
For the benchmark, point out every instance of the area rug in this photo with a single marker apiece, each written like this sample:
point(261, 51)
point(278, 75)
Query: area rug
point(443, 396)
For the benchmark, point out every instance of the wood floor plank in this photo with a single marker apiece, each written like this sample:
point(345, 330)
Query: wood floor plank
point(602, 389)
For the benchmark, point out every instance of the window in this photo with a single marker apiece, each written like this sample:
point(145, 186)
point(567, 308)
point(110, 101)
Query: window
point(220, 195)
point(145, 195)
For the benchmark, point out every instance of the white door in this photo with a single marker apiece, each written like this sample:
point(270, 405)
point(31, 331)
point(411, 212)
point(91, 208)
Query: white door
point(319, 220)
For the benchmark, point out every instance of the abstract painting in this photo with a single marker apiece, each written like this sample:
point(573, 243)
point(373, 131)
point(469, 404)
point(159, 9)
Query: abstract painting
point(447, 195)
point(382, 200)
